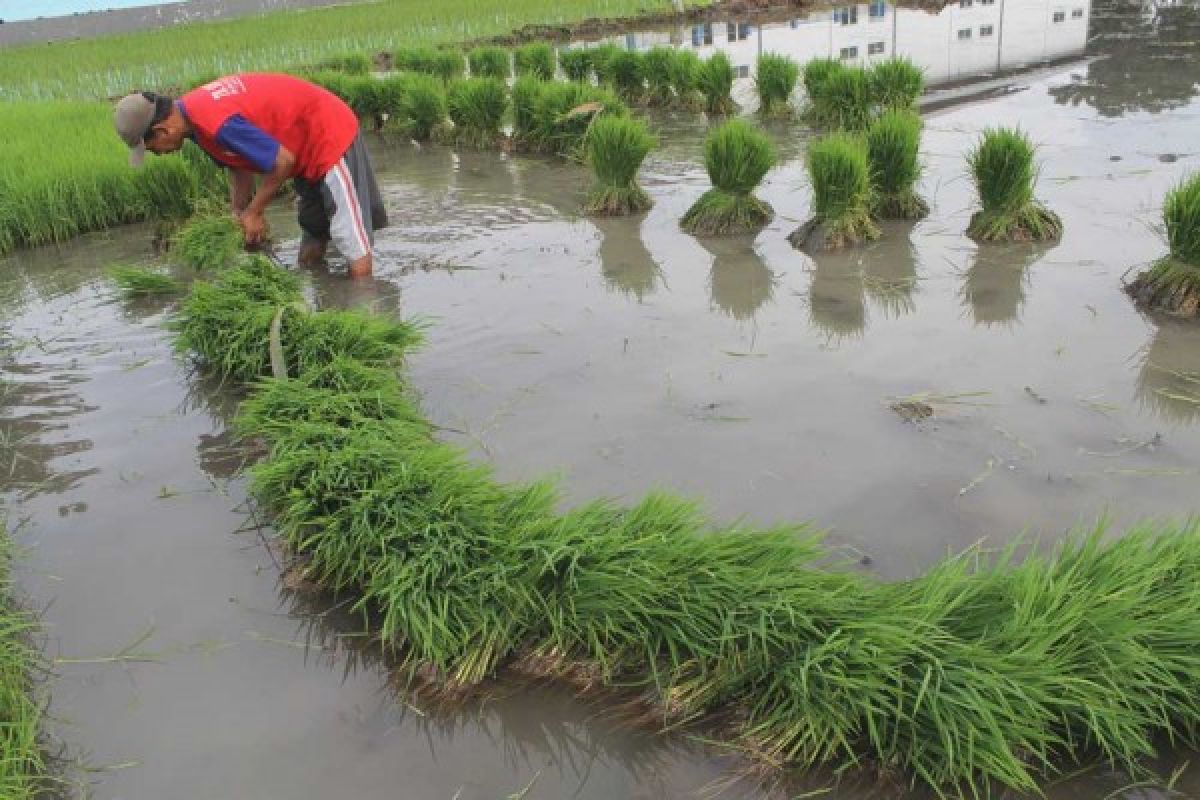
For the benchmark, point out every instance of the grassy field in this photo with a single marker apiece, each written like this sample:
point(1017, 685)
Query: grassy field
point(22, 767)
point(110, 66)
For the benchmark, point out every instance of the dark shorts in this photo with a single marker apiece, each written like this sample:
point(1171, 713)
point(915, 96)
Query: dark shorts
point(345, 207)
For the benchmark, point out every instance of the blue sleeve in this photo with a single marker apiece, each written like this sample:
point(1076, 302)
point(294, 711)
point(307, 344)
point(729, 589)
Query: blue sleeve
point(238, 135)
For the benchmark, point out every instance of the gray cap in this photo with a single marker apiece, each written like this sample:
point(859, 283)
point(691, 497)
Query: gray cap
point(133, 118)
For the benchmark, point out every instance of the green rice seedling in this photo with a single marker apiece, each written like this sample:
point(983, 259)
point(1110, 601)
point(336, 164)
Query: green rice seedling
point(416, 59)
point(490, 62)
point(685, 80)
point(602, 56)
point(843, 99)
point(424, 108)
point(893, 148)
point(477, 107)
point(627, 74)
point(1173, 283)
point(616, 147)
point(896, 83)
point(209, 241)
point(526, 92)
point(656, 67)
point(23, 768)
point(816, 72)
point(537, 59)
point(390, 99)
point(1002, 167)
point(840, 175)
point(576, 64)
point(775, 80)
point(351, 64)
point(715, 81)
point(134, 281)
point(449, 64)
point(737, 157)
point(563, 113)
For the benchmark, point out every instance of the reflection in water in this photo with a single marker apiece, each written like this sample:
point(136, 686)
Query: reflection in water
point(890, 276)
point(994, 286)
point(739, 280)
point(627, 265)
point(1147, 59)
point(1169, 379)
point(837, 302)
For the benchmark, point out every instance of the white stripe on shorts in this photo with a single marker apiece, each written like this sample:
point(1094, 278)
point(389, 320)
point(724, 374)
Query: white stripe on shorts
point(346, 227)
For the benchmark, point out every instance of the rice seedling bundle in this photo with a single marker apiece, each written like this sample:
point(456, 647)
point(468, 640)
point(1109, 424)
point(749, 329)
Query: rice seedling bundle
point(477, 107)
point(576, 63)
point(537, 59)
point(626, 72)
point(737, 157)
point(816, 72)
point(843, 99)
point(893, 154)
point(351, 64)
point(563, 113)
point(209, 241)
point(602, 56)
point(715, 81)
point(1003, 170)
point(840, 175)
point(423, 107)
point(134, 281)
point(416, 59)
point(896, 83)
point(449, 64)
point(656, 66)
point(775, 80)
point(490, 62)
point(526, 92)
point(616, 147)
point(989, 671)
point(685, 80)
point(1173, 283)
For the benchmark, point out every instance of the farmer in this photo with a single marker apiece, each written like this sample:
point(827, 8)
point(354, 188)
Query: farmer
point(277, 127)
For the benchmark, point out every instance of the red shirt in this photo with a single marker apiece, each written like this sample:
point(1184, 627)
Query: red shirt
point(312, 123)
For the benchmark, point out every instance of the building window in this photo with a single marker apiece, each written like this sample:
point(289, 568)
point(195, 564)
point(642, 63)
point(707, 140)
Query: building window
point(986, 30)
point(1059, 16)
point(1077, 14)
point(743, 71)
point(846, 15)
point(631, 41)
point(849, 52)
point(796, 23)
point(738, 32)
point(878, 8)
point(965, 3)
point(875, 49)
point(965, 33)
point(987, 2)
point(701, 35)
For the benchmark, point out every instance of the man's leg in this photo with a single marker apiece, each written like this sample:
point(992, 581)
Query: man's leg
point(314, 223)
point(350, 221)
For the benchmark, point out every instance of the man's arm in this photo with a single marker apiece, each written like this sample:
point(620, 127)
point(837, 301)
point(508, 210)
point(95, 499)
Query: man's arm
point(267, 156)
point(254, 225)
point(241, 190)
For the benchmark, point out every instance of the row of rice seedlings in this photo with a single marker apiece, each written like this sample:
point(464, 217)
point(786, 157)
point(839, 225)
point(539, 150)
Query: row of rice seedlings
point(775, 80)
point(537, 59)
point(23, 765)
point(986, 672)
point(490, 62)
point(1172, 284)
point(848, 98)
point(1003, 170)
point(477, 107)
point(448, 63)
point(737, 157)
point(134, 281)
point(616, 147)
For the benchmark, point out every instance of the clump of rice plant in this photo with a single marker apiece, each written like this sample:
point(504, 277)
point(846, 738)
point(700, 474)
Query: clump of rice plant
point(416, 59)
point(536, 59)
point(627, 74)
point(685, 80)
point(209, 241)
point(490, 62)
point(476, 107)
point(526, 91)
point(715, 81)
point(424, 107)
point(737, 157)
point(896, 83)
point(576, 63)
point(616, 147)
point(843, 99)
point(352, 64)
point(775, 80)
point(656, 67)
point(602, 56)
point(838, 169)
point(1002, 167)
point(1173, 283)
point(133, 281)
point(816, 72)
point(449, 64)
point(563, 113)
point(893, 147)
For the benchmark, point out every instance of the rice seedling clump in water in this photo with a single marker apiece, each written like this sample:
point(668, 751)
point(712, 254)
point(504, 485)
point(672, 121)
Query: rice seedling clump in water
point(656, 65)
point(490, 62)
point(816, 72)
point(476, 107)
point(209, 241)
point(353, 64)
point(142, 281)
point(737, 157)
point(843, 99)
point(896, 83)
point(616, 147)
point(416, 59)
point(893, 154)
point(775, 81)
point(563, 113)
point(449, 64)
point(576, 64)
point(602, 56)
point(1173, 284)
point(837, 166)
point(1002, 167)
point(536, 59)
point(685, 80)
point(424, 107)
point(627, 73)
point(526, 91)
point(715, 81)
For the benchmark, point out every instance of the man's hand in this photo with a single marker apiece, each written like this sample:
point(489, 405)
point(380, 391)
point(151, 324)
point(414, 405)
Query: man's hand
point(254, 226)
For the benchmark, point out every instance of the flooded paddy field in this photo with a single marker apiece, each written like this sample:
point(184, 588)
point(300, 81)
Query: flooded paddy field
point(623, 355)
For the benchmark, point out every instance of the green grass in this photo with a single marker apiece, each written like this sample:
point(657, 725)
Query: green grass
point(737, 157)
point(656, 67)
point(1003, 170)
point(477, 107)
point(893, 153)
point(896, 84)
point(490, 62)
point(775, 80)
point(576, 63)
point(133, 281)
point(840, 175)
point(843, 99)
point(626, 73)
point(616, 148)
point(715, 82)
point(423, 109)
point(23, 767)
point(537, 59)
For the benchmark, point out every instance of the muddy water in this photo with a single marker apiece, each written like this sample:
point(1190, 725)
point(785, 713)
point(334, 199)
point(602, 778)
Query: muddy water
point(623, 355)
